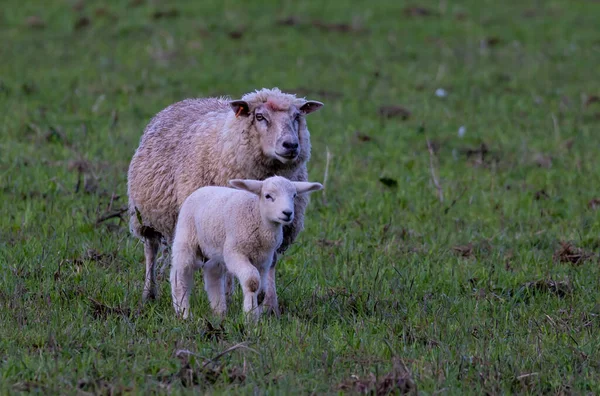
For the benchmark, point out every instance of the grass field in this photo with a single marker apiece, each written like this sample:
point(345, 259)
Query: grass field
point(456, 249)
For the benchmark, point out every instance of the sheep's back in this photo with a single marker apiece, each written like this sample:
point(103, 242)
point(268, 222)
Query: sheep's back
point(167, 143)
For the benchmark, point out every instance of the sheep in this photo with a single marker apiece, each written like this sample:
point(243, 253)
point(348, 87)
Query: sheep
point(200, 142)
point(237, 230)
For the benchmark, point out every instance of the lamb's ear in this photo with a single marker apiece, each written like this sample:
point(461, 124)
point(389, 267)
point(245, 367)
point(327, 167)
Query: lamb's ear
point(253, 186)
point(310, 107)
point(240, 107)
point(305, 187)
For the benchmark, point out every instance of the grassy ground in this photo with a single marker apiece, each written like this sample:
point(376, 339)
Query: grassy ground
point(395, 285)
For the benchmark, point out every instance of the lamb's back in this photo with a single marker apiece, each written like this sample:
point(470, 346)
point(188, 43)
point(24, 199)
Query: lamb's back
point(218, 213)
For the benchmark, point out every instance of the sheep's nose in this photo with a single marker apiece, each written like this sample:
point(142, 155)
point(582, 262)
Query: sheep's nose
point(289, 145)
point(287, 213)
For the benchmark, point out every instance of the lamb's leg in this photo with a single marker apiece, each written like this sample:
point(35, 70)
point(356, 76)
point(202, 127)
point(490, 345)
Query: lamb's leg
point(270, 303)
point(249, 278)
point(182, 275)
point(151, 246)
point(214, 284)
point(290, 233)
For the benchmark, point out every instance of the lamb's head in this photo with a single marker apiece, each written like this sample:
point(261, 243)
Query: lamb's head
point(276, 120)
point(276, 196)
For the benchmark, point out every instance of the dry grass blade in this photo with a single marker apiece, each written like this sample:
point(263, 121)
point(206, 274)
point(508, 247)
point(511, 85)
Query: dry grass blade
point(228, 350)
point(326, 175)
point(111, 215)
point(434, 177)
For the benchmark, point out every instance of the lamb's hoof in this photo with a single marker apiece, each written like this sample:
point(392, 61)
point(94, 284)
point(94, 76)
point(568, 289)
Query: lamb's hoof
point(253, 316)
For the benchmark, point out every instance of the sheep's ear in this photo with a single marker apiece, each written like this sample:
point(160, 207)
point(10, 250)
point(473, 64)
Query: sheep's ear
point(240, 107)
point(253, 186)
point(310, 107)
point(305, 187)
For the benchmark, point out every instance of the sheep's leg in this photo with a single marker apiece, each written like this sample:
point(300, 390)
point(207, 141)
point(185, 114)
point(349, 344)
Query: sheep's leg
point(214, 284)
point(150, 251)
point(162, 261)
point(249, 278)
point(182, 275)
point(229, 286)
point(270, 303)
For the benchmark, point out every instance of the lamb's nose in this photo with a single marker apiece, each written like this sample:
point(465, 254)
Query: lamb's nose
point(287, 213)
point(290, 145)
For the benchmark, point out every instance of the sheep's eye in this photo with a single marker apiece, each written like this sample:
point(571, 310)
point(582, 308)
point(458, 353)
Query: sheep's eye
point(295, 195)
point(297, 117)
point(260, 117)
point(268, 196)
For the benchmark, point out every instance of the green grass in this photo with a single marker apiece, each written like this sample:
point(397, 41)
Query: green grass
point(375, 281)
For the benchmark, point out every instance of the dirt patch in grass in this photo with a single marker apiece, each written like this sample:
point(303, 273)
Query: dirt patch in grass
point(90, 255)
point(418, 11)
point(490, 42)
point(100, 386)
point(363, 137)
point(344, 301)
point(463, 250)
point(82, 22)
point(339, 27)
point(469, 250)
point(594, 203)
point(543, 161)
point(395, 112)
point(196, 371)
point(103, 311)
point(329, 243)
point(211, 332)
point(399, 380)
point(35, 22)
point(591, 99)
point(165, 14)
point(558, 288)
point(569, 253)
point(29, 386)
point(541, 195)
point(388, 182)
point(481, 156)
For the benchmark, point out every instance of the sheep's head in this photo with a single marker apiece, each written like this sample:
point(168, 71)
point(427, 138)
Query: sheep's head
point(277, 120)
point(276, 196)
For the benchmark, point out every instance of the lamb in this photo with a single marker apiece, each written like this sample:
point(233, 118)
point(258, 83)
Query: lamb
point(201, 142)
point(237, 231)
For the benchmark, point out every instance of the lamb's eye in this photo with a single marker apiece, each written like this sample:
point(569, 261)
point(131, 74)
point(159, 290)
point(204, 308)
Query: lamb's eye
point(268, 196)
point(260, 117)
point(295, 195)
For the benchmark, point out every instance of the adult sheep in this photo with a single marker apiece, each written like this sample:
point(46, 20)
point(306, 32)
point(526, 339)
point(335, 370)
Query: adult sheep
point(203, 142)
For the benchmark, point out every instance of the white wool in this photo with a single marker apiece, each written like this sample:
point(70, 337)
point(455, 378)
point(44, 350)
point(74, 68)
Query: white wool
point(232, 230)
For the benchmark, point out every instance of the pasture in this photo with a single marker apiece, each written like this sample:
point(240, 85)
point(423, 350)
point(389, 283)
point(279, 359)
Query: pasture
point(455, 249)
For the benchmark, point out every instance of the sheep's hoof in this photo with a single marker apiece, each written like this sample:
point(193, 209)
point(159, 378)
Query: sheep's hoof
point(271, 310)
point(149, 295)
